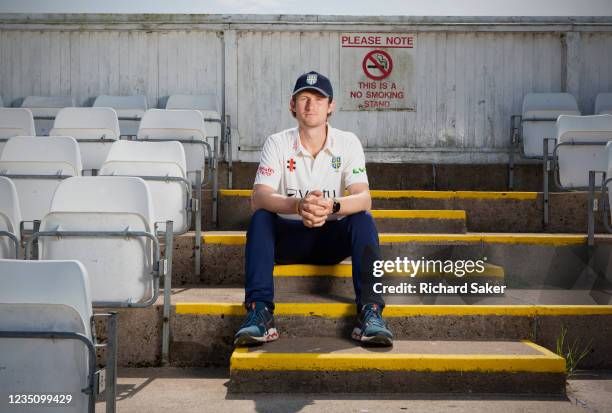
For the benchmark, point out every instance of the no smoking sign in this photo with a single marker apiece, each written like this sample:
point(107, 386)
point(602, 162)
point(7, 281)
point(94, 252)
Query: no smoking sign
point(377, 64)
point(377, 71)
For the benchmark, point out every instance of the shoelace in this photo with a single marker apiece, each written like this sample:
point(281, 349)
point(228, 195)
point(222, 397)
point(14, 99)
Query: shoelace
point(374, 318)
point(254, 317)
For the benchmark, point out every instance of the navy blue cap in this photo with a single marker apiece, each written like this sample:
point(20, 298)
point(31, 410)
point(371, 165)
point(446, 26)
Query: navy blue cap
point(314, 81)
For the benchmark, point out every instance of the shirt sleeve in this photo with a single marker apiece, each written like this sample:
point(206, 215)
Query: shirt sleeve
point(355, 170)
point(269, 169)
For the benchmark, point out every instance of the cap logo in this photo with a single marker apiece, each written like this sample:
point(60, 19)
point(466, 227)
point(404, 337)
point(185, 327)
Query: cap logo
point(311, 79)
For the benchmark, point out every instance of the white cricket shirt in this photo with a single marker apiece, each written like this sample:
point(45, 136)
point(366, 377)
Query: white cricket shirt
point(291, 170)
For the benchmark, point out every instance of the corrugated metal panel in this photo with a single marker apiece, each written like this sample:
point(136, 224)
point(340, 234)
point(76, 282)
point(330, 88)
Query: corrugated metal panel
point(470, 79)
point(468, 85)
point(595, 68)
point(86, 64)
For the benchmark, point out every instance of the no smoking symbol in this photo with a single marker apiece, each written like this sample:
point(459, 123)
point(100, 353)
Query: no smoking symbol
point(377, 64)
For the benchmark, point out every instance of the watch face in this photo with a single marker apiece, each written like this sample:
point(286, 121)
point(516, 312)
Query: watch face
point(336, 207)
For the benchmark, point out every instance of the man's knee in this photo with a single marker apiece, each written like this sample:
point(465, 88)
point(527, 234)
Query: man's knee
point(362, 219)
point(261, 219)
point(262, 215)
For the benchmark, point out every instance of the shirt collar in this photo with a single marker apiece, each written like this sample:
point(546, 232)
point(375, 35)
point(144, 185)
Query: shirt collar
point(330, 145)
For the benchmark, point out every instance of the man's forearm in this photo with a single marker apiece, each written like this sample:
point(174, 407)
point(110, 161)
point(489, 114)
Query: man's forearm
point(352, 204)
point(273, 202)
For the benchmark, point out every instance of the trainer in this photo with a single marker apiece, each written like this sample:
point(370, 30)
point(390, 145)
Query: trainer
point(302, 216)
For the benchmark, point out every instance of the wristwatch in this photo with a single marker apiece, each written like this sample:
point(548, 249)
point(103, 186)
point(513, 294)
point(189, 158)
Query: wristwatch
point(336, 206)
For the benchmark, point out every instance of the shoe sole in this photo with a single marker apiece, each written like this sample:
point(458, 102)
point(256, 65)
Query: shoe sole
point(379, 340)
point(247, 340)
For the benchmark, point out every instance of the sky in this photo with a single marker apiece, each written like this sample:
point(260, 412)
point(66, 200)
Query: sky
point(321, 7)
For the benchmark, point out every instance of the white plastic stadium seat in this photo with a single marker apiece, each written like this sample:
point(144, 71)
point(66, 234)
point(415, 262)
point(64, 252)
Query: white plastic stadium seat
point(15, 122)
point(575, 161)
point(603, 104)
point(161, 124)
point(46, 107)
point(206, 104)
point(10, 217)
point(94, 128)
point(44, 296)
point(40, 163)
point(120, 268)
point(132, 107)
point(539, 116)
point(155, 159)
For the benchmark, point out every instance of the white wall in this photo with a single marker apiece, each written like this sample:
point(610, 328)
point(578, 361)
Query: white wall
point(471, 76)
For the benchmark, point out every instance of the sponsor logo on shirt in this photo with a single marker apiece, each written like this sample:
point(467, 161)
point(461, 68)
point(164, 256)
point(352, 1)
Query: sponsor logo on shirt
point(358, 171)
point(336, 162)
point(291, 165)
point(327, 193)
point(265, 170)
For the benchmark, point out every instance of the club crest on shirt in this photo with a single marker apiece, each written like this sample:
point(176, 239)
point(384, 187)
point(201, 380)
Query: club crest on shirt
point(336, 162)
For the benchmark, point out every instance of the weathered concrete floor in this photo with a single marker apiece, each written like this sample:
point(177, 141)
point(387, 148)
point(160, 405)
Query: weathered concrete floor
point(204, 390)
point(511, 297)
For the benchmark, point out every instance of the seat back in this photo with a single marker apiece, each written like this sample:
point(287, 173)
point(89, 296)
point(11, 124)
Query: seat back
point(15, 122)
point(120, 268)
point(88, 124)
point(163, 124)
point(575, 161)
point(609, 172)
point(603, 104)
point(39, 157)
point(44, 296)
point(46, 106)
point(126, 107)
point(10, 217)
point(540, 113)
point(206, 104)
point(155, 159)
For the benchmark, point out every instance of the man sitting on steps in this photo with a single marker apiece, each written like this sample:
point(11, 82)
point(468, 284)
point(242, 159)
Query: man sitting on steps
point(301, 216)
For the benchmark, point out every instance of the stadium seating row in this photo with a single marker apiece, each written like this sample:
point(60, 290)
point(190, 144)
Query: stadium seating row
point(129, 109)
point(97, 128)
point(36, 166)
point(537, 122)
point(48, 341)
point(552, 130)
point(99, 237)
point(115, 214)
point(579, 147)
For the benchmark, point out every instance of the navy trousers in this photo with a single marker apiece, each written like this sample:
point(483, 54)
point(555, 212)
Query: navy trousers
point(272, 239)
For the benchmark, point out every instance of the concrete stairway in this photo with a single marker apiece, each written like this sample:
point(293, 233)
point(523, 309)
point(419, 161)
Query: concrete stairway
point(309, 365)
point(485, 211)
point(478, 342)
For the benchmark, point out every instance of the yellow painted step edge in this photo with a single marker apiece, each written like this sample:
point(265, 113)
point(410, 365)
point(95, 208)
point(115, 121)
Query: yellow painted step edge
point(531, 239)
point(336, 310)
point(419, 214)
point(545, 362)
point(345, 271)
point(376, 193)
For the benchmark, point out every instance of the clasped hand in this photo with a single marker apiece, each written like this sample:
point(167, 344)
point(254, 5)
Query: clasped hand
point(314, 209)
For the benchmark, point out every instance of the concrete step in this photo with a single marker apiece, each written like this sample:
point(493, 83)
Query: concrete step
point(485, 210)
point(337, 280)
point(529, 260)
point(414, 175)
point(204, 320)
point(235, 214)
point(309, 365)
